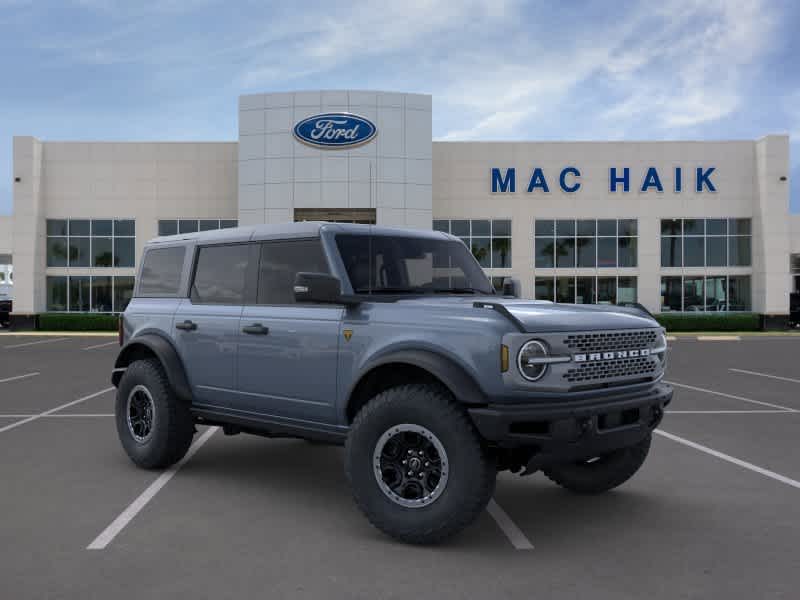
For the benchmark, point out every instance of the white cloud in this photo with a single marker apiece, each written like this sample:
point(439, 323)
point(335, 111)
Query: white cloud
point(671, 67)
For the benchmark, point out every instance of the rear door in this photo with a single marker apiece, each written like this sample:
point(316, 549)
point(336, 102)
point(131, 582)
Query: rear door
point(206, 324)
point(287, 357)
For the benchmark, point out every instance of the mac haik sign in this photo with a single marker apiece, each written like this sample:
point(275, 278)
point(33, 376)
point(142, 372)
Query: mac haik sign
point(620, 179)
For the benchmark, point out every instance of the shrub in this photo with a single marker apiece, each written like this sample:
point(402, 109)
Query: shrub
point(77, 322)
point(710, 322)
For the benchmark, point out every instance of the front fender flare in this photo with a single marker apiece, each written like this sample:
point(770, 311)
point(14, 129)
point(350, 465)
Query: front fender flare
point(167, 355)
point(453, 376)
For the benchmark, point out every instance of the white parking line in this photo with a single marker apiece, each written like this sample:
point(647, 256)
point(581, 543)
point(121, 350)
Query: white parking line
point(778, 377)
point(48, 413)
point(109, 533)
point(724, 395)
point(100, 345)
point(7, 379)
point(58, 416)
point(718, 338)
point(731, 459)
point(50, 341)
point(730, 412)
point(504, 522)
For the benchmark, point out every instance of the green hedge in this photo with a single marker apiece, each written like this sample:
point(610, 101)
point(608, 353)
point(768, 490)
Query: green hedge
point(77, 322)
point(710, 322)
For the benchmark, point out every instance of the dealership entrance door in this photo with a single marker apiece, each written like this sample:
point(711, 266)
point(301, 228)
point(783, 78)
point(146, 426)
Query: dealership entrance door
point(336, 215)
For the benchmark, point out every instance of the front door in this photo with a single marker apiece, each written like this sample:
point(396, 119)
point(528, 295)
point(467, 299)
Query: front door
point(207, 323)
point(288, 352)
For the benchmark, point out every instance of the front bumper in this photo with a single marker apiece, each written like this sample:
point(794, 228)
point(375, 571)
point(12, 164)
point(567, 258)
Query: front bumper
point(564, 431)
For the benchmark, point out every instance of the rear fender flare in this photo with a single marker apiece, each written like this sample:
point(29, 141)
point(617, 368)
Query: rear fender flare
point(166, 354)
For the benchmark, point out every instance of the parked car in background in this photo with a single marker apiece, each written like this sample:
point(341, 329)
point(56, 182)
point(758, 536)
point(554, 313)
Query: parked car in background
point(5, 305)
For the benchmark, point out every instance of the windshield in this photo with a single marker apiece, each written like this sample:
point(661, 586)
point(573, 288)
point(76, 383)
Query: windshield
point(396, 265)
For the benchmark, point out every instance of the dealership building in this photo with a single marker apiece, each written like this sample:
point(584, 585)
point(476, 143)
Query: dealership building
point(693, 226)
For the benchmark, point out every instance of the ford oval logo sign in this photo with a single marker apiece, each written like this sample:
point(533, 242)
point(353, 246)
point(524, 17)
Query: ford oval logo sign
point(335, 130)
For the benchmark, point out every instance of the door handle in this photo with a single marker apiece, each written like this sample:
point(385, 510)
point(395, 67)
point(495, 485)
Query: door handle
point(186, 326)
point(256, 329)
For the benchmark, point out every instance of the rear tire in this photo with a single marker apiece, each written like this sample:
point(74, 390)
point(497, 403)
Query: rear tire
point(454, 480)
point(602, 473)
point(154, 426)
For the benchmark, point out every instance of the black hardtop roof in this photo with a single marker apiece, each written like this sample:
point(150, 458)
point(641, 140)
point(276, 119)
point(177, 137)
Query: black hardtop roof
point(303, 229)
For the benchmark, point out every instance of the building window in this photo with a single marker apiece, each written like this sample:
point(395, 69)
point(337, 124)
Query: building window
point(91, 243)
point(585, 243)
point(716, 293)
point(586, 290)
point(175, 226)
point(489, 240)
point(706, 242)
point(85, 293)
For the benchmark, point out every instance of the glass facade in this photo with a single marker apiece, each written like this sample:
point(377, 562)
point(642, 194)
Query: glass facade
point(706, 243)
point(86, 293)
point(586, 290)
point(95, 243)
point(175, 226)
point(585, 243)
point(714, 293)
point(489, 240)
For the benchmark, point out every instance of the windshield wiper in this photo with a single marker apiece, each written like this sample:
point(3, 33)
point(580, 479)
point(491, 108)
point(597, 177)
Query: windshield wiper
point(459, 290)
point(389, 290)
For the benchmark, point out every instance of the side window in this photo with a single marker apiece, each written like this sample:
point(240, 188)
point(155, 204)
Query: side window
point(219, 276)
point(161, 271)
point(281, 261)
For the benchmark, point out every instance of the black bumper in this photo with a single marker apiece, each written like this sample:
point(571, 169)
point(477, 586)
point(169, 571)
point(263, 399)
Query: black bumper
point(565, 431)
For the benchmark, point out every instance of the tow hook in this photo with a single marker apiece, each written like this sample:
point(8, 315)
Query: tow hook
point(657, 415)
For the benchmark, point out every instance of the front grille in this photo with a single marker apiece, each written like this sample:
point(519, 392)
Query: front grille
point(611, 340)
point(641, 366)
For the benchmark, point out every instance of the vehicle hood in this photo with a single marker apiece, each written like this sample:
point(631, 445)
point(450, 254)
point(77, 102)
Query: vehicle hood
point(543, 317)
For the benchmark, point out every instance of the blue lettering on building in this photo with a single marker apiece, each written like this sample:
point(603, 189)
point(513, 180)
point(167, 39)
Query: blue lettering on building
point(562, 180)
point(703, 179)
point(651, 179)
point(538, 181)
point(504, 181)
point(614, 179)
point(507, 184)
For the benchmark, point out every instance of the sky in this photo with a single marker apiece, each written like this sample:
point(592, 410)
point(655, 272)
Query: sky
point(497, 69)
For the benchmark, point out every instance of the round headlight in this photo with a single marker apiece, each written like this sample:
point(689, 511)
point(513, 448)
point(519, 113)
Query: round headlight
point(662, 343)
point(528, 360)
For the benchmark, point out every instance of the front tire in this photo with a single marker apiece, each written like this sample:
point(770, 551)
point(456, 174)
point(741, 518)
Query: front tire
point(601, 473)
point(154, 426)
point(447, 479)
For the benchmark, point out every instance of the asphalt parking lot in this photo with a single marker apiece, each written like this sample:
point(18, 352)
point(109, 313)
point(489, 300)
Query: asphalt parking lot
point(714, 513)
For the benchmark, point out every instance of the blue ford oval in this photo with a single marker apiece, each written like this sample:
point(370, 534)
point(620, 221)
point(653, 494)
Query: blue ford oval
point(335, 130)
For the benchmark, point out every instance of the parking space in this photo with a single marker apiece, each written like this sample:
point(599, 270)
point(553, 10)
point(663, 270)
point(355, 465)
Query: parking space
point(246, 515)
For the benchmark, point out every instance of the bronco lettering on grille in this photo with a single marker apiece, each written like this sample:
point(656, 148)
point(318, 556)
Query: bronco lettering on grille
point(595, 356)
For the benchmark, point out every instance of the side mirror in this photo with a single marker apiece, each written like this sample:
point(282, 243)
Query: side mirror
point(317, 287)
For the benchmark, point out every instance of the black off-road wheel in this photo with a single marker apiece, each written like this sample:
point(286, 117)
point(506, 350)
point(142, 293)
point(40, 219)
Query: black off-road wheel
point(601, 473)
point(154, 426)
point(416, 465)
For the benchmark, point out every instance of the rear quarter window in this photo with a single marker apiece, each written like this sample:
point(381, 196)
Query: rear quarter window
point(219, 276)
point(161, 272)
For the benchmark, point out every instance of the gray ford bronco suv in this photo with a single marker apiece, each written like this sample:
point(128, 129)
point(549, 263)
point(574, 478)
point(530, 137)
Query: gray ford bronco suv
point(393, 343)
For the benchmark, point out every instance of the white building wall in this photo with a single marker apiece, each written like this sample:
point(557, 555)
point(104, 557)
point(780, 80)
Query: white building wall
point(111, 180)
point(28, 244)
point(391, 173)
point(771, 281)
